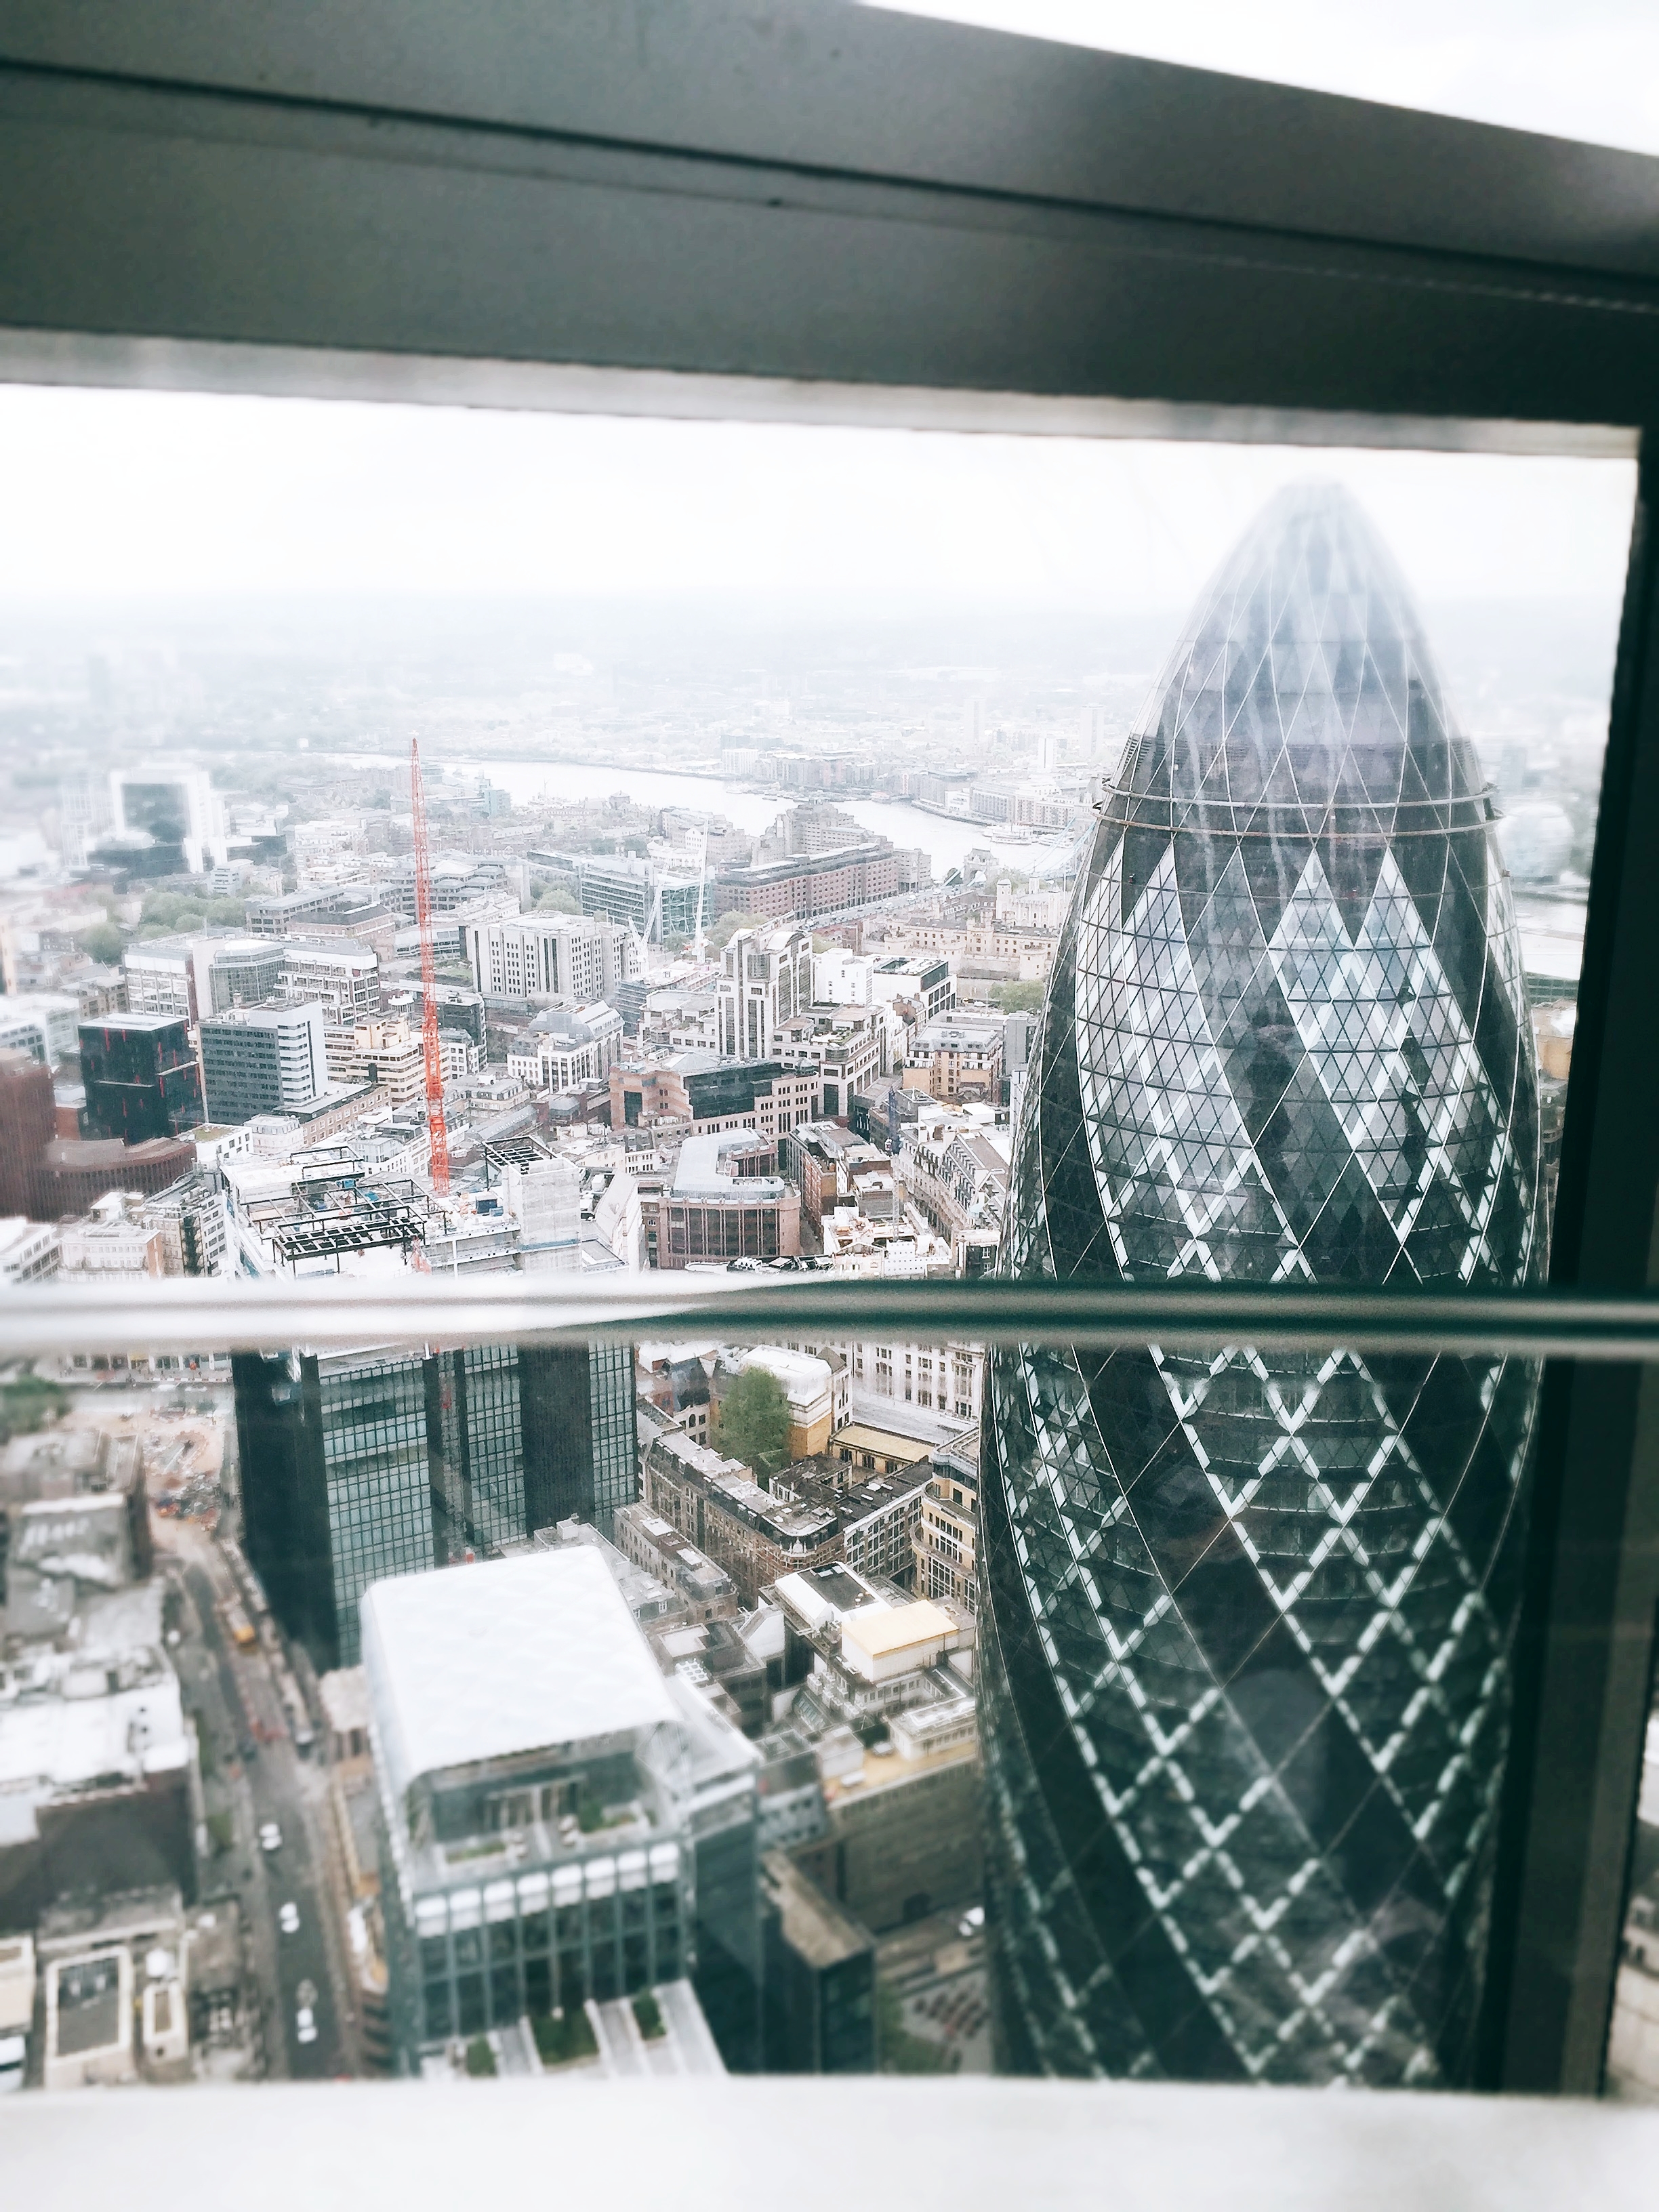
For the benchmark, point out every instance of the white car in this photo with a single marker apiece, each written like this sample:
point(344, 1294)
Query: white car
point(305, 2025)
point(287, 1917)
point(971, 1921)
point(270, 1837)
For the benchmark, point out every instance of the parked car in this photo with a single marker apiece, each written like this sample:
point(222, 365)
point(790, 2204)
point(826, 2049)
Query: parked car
point(270, 1837)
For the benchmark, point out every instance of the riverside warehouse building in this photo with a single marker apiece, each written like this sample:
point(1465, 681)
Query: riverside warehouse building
point(561, 1822)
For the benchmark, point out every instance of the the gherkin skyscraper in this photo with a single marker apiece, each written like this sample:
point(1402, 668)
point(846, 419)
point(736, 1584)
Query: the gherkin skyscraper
point(1248, 1621)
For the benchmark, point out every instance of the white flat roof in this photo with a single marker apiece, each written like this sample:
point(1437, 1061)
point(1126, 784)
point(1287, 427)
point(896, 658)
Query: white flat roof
point(881, 1630)
point(802, 1376)
point(487, 1660)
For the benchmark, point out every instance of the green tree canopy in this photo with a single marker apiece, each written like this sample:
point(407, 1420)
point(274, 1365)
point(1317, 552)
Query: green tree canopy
point(102, 942)
point(165, 911)
point(1016, 998)
point(555, 898)
point(29, 1403)
point(728, 926)
point(754, 1423)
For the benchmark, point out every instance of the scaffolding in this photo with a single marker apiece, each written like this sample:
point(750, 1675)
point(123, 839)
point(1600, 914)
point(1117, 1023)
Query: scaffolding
point(351, 1213)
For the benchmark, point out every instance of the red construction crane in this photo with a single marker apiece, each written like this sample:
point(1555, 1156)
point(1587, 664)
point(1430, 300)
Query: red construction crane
point(436, 1126)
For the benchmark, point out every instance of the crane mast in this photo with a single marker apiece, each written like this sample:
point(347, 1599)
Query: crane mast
point(437, 1129)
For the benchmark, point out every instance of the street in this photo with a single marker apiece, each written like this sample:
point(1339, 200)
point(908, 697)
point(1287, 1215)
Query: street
point(237, 1705)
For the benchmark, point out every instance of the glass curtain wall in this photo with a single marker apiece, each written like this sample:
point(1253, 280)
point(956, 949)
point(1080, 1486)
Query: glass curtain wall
point(1247, 1647)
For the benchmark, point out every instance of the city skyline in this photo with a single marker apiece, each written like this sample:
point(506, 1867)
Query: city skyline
point(645, 813)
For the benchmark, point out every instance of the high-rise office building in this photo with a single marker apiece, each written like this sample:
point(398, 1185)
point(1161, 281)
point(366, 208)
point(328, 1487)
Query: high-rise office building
point(522, 1729)
point(1247, 1619)
point(359, 1466)
point(582, 1450)
point(28, 1125)
point(46, 1024)
point(176, 811)
point(242, 971)
point(765, 979)
point(141, 1077)
point(579, 956)
point(342, 974)
point(263, 1060)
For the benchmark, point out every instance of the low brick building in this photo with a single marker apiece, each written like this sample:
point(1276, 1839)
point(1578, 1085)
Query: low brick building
point(73, 1172)
point(710, 1094)
point(961, 1059)
point(816, 1511)
point(719, 1208)
point(717, 1503)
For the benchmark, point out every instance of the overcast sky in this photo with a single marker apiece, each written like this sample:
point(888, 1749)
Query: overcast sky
point(1576, 68)
point(142, 494)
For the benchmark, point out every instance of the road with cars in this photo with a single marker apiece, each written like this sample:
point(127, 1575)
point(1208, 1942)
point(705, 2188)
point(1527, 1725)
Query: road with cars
point(276, 1858)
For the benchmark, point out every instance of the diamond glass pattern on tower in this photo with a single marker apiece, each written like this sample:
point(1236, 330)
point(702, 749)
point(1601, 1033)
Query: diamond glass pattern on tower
point(1247, 1619)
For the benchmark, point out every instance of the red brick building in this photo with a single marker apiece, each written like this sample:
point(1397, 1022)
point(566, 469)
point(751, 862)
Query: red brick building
point(74, 1171)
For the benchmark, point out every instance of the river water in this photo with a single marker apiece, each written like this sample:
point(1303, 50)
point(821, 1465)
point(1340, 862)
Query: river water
point(947, 843)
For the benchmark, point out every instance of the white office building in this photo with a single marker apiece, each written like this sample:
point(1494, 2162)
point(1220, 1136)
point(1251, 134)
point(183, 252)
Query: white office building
point(173, 805)
point(922, 980)
point(342, 974)
point(263, 1060)
point(765, 980)
point(553, 1805)
point(567, 1047)
point(577, 957)
point(46, 1024)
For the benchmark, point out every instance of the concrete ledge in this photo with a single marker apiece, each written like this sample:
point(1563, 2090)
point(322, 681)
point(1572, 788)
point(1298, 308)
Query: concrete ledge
point(881, 2143)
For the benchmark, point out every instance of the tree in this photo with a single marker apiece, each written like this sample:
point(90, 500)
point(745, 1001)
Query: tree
point(165, 911)
point(29, 1403)
point(754, 1425)
point(102, 942)
point(1017, 998)
point(555, 898)
point(728, 926)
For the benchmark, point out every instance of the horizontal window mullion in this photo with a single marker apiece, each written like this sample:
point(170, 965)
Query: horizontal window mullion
point(41, 1320)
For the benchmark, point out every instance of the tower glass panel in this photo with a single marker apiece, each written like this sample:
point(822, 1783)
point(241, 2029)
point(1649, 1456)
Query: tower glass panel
point(1249, 1618)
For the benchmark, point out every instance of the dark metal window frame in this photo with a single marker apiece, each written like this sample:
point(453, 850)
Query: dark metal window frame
point(811, 212)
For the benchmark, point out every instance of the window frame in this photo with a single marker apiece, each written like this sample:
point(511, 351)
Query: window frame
point(728, 207)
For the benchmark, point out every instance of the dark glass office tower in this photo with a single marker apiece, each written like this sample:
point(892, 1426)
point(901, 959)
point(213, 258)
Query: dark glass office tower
point(1248, 1619)
point(356, 1466)
point(582, 1450)
point(141, 1076)
point(474, 1411)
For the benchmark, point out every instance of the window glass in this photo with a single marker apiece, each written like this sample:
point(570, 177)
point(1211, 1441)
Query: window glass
point(830, 855)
